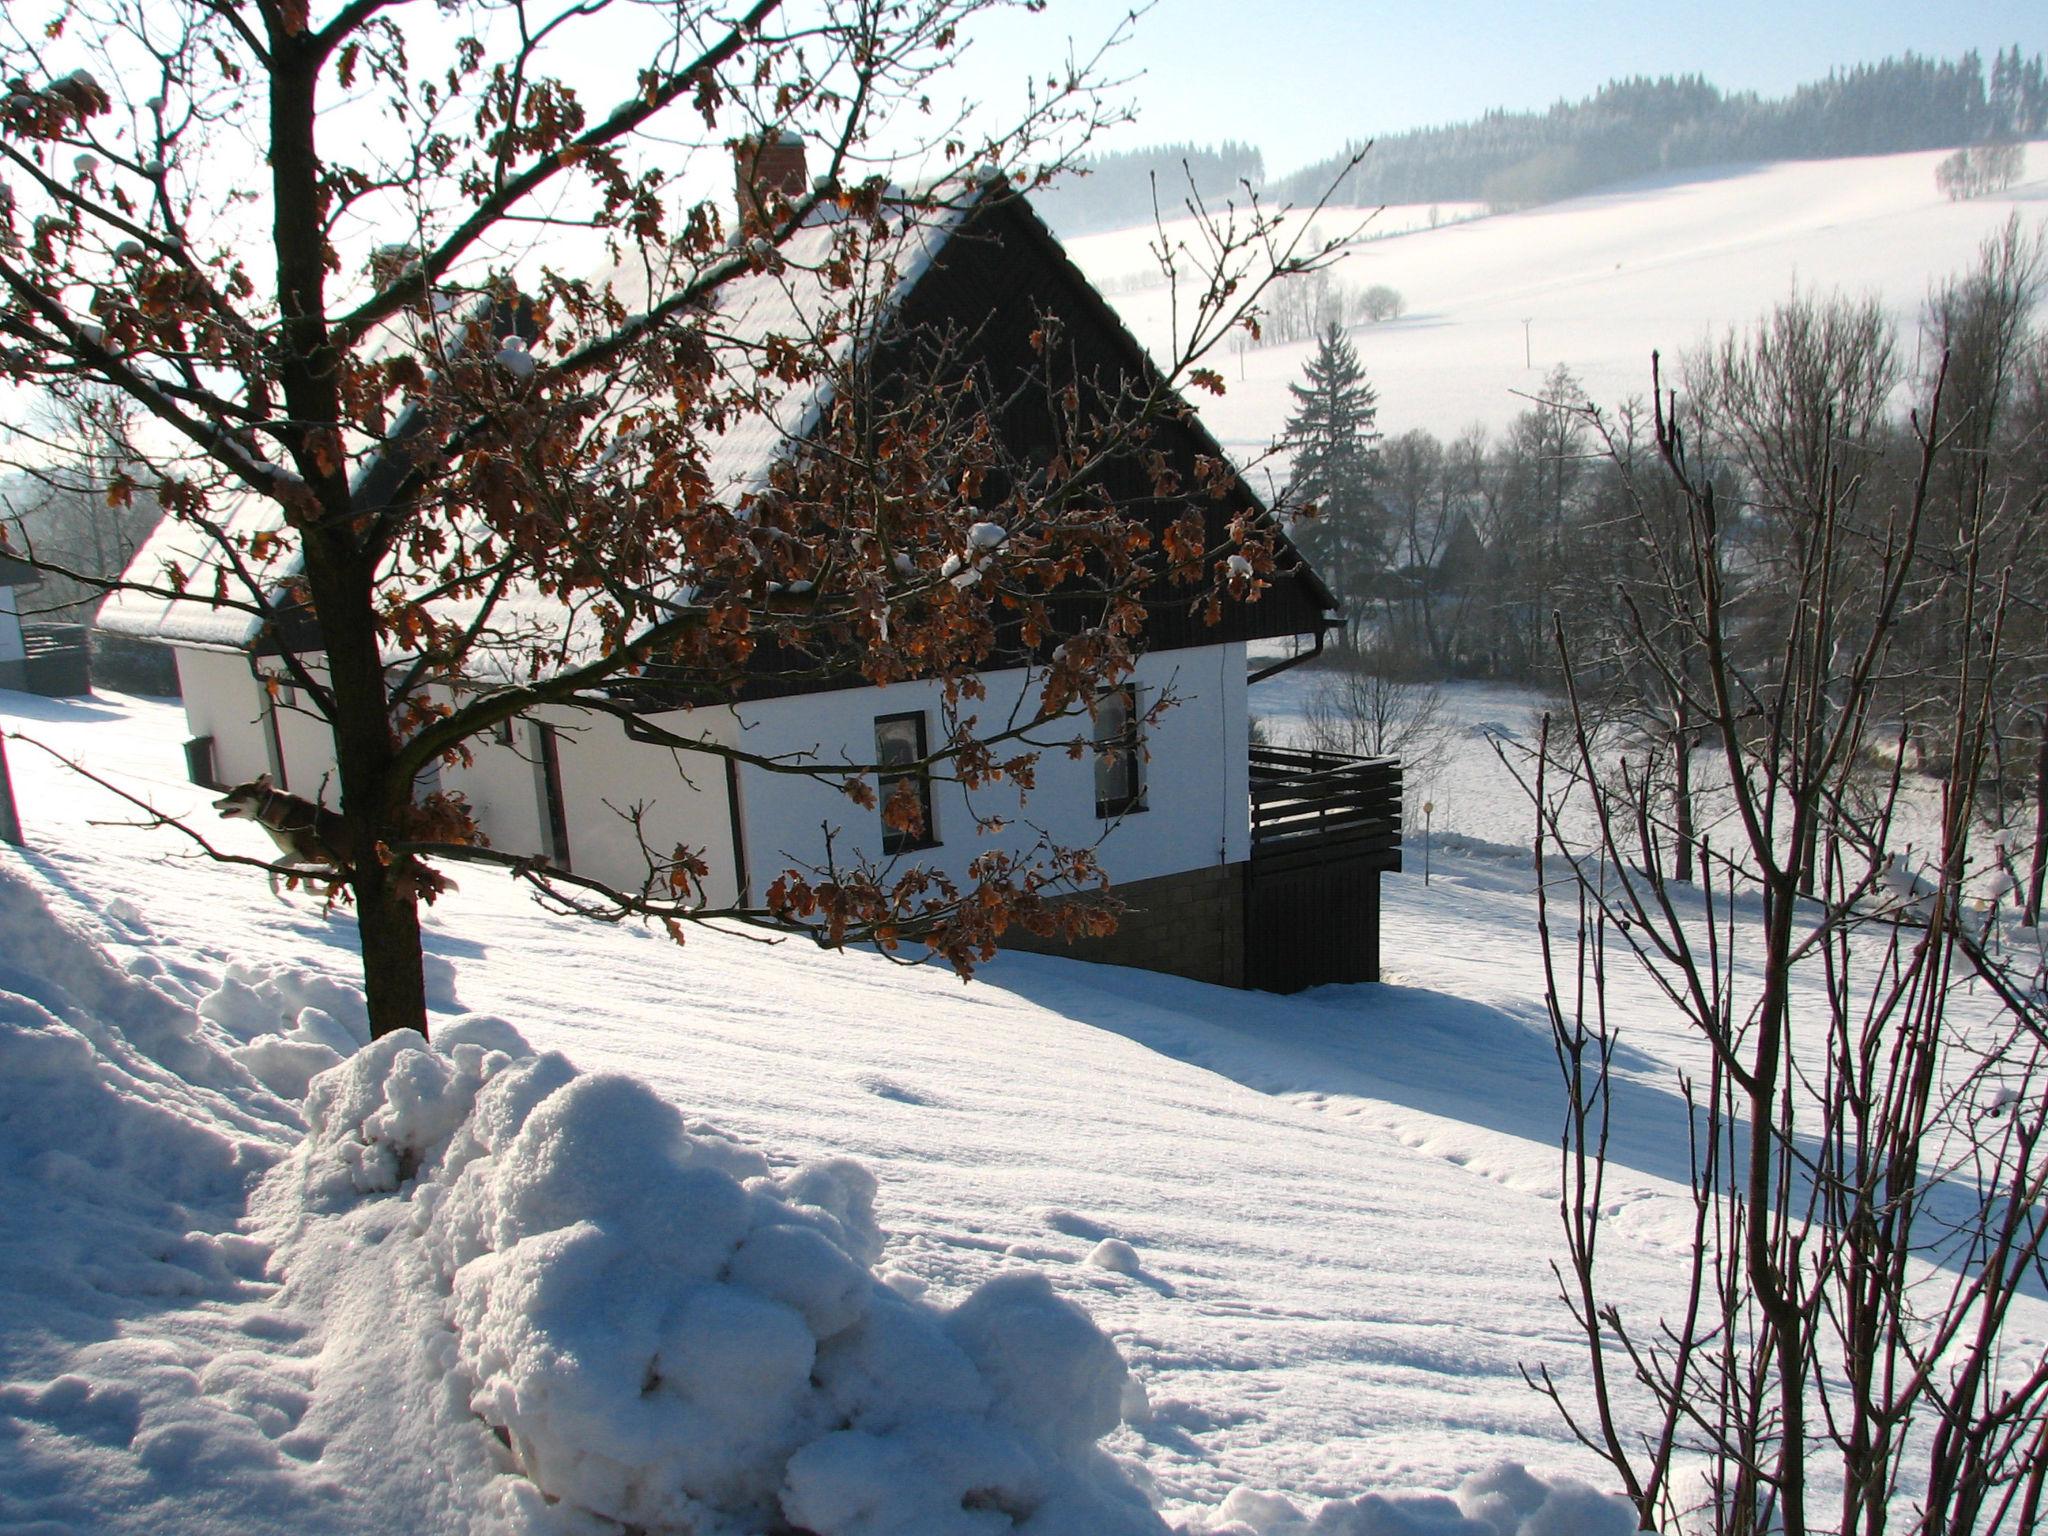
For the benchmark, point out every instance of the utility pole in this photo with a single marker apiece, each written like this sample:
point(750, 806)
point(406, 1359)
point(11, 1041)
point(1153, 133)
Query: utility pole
point(1528, 361)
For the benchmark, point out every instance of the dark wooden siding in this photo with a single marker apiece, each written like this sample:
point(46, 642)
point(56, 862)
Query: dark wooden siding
point(1324, 828)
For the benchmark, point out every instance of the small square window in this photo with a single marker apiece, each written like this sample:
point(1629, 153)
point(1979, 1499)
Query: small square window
point(1119, 760)
point(905, 795)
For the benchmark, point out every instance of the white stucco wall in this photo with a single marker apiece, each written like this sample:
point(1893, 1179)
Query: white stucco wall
point(10, 627)
point(501, 788)
point(1196, 807)
point(305, 751)
point(223, 701)
point(1196, 790)
point(681, 797)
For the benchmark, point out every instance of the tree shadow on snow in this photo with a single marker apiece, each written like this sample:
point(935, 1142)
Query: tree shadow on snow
point(1466, 1062)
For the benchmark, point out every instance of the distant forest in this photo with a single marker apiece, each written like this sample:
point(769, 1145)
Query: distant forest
point(1626, 129)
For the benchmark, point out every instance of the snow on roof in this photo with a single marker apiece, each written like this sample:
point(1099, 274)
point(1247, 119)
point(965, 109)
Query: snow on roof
point(791, 296)
point(181, 557)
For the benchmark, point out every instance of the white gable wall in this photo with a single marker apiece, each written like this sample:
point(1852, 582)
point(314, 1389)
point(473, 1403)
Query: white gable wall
point(223, 701)
point(681, 797)
point(1196, 787)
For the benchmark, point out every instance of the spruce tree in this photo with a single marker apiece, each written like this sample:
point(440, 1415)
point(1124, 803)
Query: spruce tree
point(1335, 441)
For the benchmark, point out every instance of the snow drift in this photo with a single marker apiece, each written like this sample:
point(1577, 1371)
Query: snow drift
point(670, 1336)
point(464, 1286)
point(1504, 1500)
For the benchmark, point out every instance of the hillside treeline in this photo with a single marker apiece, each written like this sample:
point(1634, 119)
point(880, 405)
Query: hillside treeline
point(1470, 552)
point(1807, 470)
point(1627, 129)
point(1115, 190)
point(1639, 127)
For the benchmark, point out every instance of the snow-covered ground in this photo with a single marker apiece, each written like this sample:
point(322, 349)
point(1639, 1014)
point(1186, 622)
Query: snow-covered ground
point(1595, 283)
point(1317, 1229)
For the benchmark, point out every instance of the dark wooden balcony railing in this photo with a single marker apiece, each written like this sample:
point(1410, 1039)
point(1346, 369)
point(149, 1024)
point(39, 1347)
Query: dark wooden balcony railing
point(1326, 802)
point(57, 662)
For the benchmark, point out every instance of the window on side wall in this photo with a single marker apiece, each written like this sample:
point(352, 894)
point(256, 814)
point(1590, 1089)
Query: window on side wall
point(906, 792)
point(1119, 761)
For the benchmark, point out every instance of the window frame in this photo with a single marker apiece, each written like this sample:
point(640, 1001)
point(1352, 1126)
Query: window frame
point(1128, 760)
point(896, 842)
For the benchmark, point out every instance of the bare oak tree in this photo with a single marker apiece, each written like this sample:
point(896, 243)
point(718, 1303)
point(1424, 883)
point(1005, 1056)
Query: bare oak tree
point(331, 255)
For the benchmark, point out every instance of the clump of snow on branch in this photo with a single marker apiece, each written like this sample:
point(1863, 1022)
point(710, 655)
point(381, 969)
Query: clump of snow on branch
point(671, 1335)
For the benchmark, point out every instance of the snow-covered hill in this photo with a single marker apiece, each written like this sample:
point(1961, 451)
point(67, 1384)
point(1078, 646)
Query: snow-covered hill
point(1317, 1229)
point(1595, 283)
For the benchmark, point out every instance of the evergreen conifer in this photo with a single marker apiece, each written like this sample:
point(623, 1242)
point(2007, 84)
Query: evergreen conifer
point(1335, 439)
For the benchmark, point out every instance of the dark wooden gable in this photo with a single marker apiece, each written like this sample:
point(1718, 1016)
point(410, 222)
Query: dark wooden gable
point(996, 281)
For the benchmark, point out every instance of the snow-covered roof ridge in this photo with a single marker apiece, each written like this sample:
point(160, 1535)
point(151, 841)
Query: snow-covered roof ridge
point(794, 293)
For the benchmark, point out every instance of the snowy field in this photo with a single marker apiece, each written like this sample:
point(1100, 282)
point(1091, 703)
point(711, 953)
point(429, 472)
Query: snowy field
point(1337, 1208)
point(1317, 1229)
point(1595, 283)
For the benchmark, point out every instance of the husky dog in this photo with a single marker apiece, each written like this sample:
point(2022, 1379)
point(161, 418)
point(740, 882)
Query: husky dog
point(308, 833)
point(305, 832)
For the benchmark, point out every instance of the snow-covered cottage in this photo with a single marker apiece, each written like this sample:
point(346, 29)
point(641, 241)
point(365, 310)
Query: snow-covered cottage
point(1238, 866)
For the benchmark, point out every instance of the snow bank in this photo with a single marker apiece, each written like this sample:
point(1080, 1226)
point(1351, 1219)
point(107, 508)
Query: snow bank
point(129, 1140)
point(669, 1335)
point(666, 1330)
point(1504, 1500)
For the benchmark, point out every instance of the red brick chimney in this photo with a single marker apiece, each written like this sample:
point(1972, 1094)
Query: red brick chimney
point(769, 171)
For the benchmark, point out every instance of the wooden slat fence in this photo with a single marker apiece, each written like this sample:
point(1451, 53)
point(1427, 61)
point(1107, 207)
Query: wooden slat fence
point(1303, 799)
point(1324, 828)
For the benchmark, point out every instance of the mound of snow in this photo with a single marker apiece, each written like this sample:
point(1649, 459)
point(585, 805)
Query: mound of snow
point(1504, 1500)
point(671, 1336)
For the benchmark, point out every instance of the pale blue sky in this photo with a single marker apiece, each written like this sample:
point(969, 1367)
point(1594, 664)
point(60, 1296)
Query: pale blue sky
point(1297, 77)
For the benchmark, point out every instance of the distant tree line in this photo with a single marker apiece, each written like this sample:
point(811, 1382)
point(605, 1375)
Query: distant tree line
point(1116, 190)
point(1638, 127)
point(1458, 557)
point(1628, 128)
point(1977, 169)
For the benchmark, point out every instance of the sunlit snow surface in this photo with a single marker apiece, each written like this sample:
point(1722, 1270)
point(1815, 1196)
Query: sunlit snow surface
point(1335, 1207)
point(1595, 283)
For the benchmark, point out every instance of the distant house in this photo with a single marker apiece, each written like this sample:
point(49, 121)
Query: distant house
point(1171, 811)
point(13, 653)
point(37, 657)
point(1428, 606)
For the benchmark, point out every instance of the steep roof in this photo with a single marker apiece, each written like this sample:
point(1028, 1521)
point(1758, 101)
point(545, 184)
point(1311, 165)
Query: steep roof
point(14, 573)
point(980, 253)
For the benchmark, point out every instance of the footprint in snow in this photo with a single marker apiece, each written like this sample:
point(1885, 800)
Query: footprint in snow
point(1074, 1224)
point(123, 913)
point(896, 1093)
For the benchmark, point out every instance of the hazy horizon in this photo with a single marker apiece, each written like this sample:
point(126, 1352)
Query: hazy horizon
point(1208, 70)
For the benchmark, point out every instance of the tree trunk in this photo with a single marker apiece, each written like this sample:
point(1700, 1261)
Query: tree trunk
point(340, 560)
point(394, 984)
point(387, 899)
point(2040, 867)
point(1681, 791)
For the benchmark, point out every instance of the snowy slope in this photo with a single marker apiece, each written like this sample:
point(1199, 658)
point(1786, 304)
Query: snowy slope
point(1334, 1270)
point(1602, 280)
point(1318, 1229)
